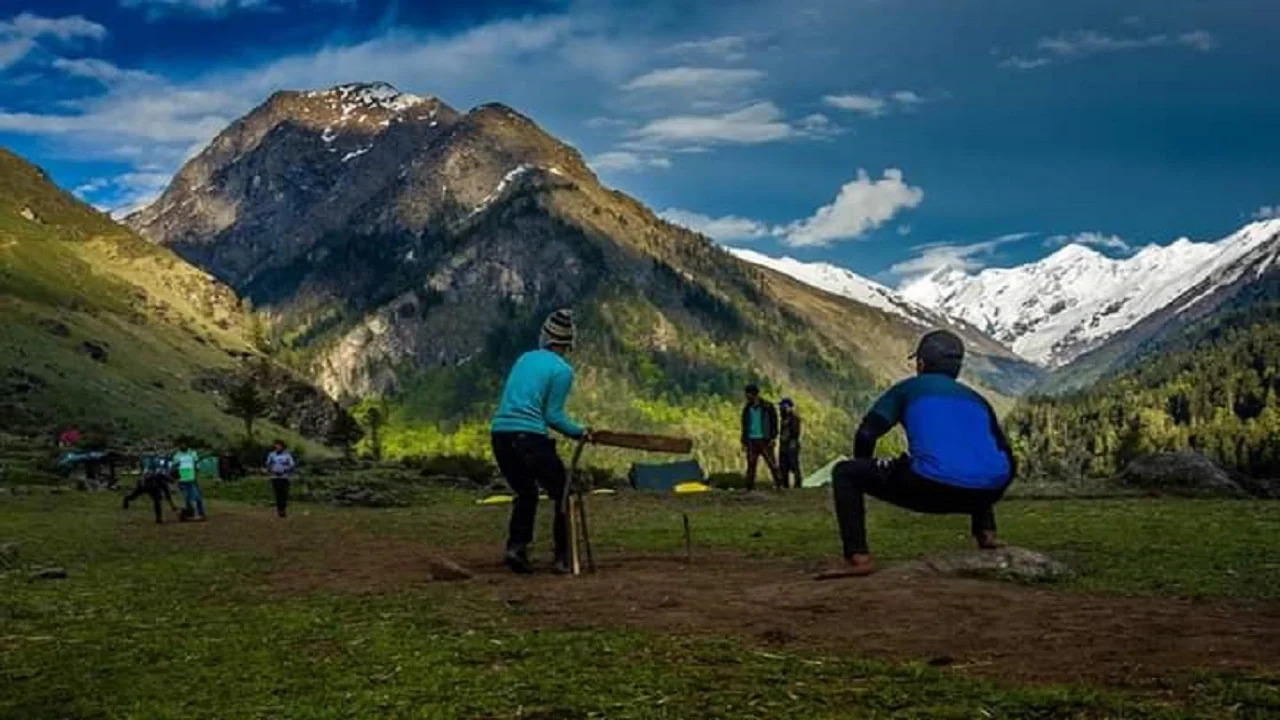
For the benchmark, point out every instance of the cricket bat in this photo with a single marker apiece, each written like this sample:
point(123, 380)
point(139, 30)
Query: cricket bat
point(635, 441)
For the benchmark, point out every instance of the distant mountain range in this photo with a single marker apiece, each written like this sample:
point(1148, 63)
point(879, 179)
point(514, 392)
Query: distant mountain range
point(1058, 309)
point(1054, 310)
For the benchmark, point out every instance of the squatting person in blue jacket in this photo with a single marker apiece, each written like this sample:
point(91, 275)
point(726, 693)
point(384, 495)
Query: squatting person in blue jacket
point(533, 402)
point(958, 459)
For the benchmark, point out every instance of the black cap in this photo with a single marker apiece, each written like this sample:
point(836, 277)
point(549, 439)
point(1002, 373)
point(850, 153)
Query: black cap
point(941, 349)
point(752, 389)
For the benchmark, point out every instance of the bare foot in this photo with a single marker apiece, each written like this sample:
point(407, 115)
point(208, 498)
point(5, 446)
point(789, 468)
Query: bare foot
point(859, 565)
point(987, 541)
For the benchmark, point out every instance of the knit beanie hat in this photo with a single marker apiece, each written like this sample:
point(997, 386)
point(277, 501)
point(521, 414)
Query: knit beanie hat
point(557, 329)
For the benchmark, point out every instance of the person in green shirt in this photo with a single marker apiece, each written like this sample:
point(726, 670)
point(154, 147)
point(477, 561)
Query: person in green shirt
point(187, 462)
point(759, 434)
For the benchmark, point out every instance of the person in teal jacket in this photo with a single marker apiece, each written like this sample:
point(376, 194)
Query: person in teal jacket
point(532, 405)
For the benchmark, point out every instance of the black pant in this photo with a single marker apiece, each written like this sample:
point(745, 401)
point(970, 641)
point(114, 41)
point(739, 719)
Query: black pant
point(789, 465)
point(528, 461)
point(757, 449)
point(280, 485)
point(894, 482)
point(157, 488)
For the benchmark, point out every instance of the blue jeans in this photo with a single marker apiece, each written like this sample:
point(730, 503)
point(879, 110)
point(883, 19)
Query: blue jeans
point(192, 497)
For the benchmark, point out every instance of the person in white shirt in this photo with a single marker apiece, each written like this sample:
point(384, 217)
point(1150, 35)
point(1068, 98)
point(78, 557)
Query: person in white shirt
point(280, 465)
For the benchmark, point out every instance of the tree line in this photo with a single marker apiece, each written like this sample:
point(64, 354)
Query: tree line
point(1214, 388)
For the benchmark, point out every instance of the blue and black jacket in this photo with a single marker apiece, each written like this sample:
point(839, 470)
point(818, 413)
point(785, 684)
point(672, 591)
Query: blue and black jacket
point(953, 434)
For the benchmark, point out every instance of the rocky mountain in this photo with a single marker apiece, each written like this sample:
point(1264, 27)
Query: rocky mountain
point(1054, 310)
point(101, 328)
point(405, 253)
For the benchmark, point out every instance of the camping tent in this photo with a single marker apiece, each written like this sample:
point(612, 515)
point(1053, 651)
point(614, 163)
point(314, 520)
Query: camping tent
point(822, 476)
point(664, 477)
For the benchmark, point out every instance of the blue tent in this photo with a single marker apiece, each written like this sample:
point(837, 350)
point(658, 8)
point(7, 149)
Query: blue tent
point(663, 477)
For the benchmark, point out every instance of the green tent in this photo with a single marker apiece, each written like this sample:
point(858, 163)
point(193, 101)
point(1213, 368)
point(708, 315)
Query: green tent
point(664, 477)
point(822, 476)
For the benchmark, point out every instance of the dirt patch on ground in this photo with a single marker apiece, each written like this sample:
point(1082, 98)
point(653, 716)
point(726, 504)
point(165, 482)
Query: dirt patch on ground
point(991, 628)
point(988, 628)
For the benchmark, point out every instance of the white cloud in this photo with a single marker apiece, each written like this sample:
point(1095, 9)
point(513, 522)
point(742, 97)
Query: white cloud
point(728, 227)
point(760, 122)
point(1083, 43)
point(159, 8)
point(861, 205)
point(125, 193)
point(1018, 62)
point(1267, 212)
point(623, 161)
point(166, 121)
point(874, 105)
point(19, 34)
point(100, 70)
point(66, 29)
point(730, 48)
point(1098, 240)
point(818, 125)
point(857, 103)
point(904, 230)
point(951, 256)
point(698, 80)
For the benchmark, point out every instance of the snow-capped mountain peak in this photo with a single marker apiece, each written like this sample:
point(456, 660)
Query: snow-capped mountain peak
point(843, 282)
point(366, 96)
point(1057, 308)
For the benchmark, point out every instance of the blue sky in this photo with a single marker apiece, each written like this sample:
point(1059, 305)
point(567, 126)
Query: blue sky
point(891, 137)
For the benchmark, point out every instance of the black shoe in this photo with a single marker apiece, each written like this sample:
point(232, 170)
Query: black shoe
point(518, 560)
point(561, 567)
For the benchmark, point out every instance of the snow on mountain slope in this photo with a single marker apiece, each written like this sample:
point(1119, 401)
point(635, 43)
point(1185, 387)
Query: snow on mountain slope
point(839, 281)
point(1053, 310)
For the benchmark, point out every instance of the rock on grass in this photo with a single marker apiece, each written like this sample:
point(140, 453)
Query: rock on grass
point(446, 570)
point(49, 573)
point(1011, 564)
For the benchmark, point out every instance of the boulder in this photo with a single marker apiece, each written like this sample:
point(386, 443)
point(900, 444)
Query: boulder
point(354, 496)
point(1010, 564)
point(446, 570)
point(96, 351)
point(1180, 473)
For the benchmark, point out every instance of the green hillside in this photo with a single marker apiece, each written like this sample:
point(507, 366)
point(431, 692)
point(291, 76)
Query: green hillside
point(1212, 387)
point(101, 328)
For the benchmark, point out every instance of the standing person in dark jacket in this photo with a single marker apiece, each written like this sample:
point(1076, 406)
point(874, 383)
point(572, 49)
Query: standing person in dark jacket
point(789, 444)
point(958, 462)
point(759, 432)
point(532, 403)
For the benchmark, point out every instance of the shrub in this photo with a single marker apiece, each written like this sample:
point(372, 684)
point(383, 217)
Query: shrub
point(729, 480)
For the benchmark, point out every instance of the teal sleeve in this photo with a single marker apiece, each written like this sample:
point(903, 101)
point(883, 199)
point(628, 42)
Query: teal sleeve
point(889, 406)
point(561, 384)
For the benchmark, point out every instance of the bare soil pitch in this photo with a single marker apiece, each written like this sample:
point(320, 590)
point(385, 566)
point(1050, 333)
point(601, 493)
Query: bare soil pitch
point(988, 628)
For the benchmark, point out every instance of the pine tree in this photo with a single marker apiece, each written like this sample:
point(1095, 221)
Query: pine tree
point(345, 432)
point(246, 402)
